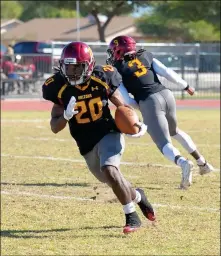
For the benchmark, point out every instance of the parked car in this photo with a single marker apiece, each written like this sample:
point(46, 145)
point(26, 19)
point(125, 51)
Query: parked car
point(40, 53)
point(2, 52)
point(3, 49)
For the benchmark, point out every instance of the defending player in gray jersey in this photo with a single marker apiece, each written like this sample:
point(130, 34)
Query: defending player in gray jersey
point(157, 104)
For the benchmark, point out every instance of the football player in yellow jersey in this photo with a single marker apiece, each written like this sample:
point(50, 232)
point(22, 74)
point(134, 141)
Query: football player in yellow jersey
point(80, 92)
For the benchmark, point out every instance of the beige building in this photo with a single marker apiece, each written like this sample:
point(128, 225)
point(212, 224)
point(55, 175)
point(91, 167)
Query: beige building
point(7, 25)
point(65, 29)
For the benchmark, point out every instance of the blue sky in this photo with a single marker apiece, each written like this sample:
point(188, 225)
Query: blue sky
point(142, 11)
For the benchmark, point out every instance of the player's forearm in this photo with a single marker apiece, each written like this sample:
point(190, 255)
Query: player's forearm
point(168, 73)
point(127, 100)
point(58, 124)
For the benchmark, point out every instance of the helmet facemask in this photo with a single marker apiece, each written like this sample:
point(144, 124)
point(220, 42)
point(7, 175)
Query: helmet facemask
point(75, 73)
point(77, 63)
point(114, 56)
point(110, 60)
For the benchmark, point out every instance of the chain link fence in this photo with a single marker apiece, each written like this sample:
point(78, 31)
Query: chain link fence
point(198, 64)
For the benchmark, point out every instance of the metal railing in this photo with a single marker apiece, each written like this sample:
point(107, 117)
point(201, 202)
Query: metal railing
point(201, 69)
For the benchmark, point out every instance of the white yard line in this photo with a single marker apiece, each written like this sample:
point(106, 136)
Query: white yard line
point(83, 162)
point(42, 139)
point(46, 196)
point(155, 205)
point(24, 120)
point(39, 120)
point(148, 144)
point(129, 143)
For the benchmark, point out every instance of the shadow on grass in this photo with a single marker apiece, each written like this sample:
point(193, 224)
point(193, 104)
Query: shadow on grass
point(101, 227)
point(39, 234)
point(29, 233)
point(83, 184)
point(151, 188)
point(107, 229)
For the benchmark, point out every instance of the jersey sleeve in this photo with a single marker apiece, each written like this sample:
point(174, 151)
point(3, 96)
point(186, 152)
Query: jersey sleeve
point(51, 88)
point(114, 79)
point(149, 57)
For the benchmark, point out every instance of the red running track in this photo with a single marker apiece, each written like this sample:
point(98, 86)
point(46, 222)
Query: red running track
point(42, 105)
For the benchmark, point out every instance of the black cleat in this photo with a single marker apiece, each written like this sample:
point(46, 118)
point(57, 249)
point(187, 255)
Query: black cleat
point(145, 206)
point(133, 223)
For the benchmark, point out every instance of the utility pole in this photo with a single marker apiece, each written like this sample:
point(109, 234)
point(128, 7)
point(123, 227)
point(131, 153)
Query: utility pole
point(78, 20)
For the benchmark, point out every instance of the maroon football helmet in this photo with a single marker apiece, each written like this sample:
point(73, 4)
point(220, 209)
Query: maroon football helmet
point(77, 62)
point(119, 47)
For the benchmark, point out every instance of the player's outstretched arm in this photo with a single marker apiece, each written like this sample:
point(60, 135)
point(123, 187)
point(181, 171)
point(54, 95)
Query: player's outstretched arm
point(171, 75)
point(126, 97)
point(121, 97)
point(58, 122)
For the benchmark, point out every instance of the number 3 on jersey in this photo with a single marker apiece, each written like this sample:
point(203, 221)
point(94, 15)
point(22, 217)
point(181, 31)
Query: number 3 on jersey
point(141, 68)
point(83, 107)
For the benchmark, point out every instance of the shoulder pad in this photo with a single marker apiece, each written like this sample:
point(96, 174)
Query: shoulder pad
point(52, 86)
point(109, 75)
point(148, 56)
point(140, 51)
point(106, 71)
point(98, 71)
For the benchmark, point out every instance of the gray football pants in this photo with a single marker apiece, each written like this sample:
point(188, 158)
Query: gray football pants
point(159, 114)
point(108, 151)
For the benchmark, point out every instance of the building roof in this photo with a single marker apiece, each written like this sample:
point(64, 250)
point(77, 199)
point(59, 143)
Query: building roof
point(5, 22)
point(65, 29)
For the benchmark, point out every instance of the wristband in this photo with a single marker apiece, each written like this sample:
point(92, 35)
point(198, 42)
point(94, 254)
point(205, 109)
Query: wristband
point(187, 88)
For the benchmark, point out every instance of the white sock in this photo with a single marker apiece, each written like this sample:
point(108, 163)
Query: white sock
point(180, 161)
point(170, 152)
point(185, 140)
point(201, 160)
point(129, 208)
point(137, 198)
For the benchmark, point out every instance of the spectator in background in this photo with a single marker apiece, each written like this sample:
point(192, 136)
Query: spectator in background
point(10, 52)
point(3, 84)
point(7, 65)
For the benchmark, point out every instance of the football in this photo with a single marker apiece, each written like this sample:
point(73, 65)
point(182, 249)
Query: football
point(126, 119)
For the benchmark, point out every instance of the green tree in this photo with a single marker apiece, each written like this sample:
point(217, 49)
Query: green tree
point(11, 9)
point(44, 9)
point(107, 8)
point(191, 10)
point(33, 9)
point(202, 31)
point(183, 20)
point(49, 9)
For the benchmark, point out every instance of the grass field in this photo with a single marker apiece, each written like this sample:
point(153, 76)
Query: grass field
point(52, 205)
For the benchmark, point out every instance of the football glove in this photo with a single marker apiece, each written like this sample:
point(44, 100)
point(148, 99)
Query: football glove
point(190, 90)
point(142, 131)
point(70, 112)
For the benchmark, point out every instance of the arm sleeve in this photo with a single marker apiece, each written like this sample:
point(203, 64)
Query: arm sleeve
point(126, 97)
point(168, 73)
point(115, 80)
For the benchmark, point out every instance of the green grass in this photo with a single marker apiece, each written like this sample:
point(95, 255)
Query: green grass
point(41, 215)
